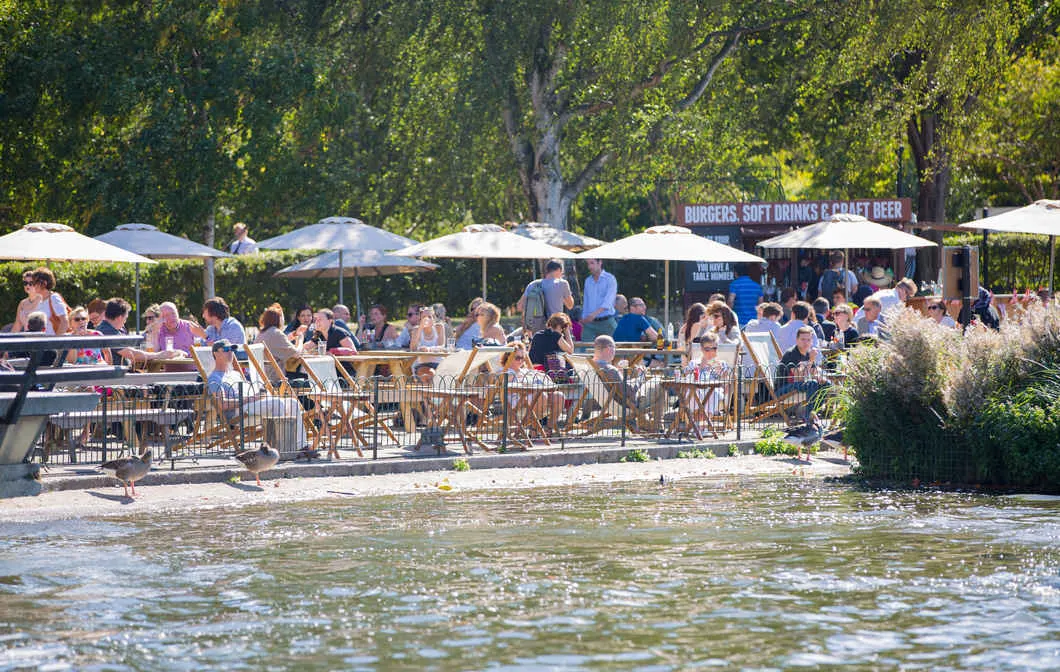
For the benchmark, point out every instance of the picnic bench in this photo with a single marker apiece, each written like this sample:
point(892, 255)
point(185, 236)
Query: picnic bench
point(27, 398)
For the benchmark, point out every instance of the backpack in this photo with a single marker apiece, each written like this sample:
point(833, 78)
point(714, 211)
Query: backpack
point(829, 281)
point(534, 310)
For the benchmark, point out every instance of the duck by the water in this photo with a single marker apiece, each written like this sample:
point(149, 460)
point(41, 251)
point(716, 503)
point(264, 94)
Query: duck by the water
point(128, 470)
point(257, 461)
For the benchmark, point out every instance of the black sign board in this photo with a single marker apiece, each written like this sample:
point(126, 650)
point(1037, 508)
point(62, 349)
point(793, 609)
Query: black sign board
point(708, 277)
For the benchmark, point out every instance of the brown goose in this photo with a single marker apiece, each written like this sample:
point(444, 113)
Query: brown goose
point(128, 470)
point(257, 461)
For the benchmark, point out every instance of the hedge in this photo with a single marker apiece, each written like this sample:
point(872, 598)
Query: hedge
point(247, 283)
point(1013, 260)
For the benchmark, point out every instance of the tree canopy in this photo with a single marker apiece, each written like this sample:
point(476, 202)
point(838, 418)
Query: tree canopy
point(420, 115)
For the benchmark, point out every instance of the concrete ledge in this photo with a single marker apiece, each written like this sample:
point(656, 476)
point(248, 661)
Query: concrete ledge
point(361, 467)
point(20, 480)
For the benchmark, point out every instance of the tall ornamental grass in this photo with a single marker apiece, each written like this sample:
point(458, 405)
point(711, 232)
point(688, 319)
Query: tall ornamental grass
point(934, 404)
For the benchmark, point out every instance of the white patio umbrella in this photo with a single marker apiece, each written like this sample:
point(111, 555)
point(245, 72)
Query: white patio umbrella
point(843, 231)
point(668, 243)
point(359, 264)
point(550, 235)
point(1041, 217)
point(150, 242)
point(58, 242)
point(484, 241)
point(337, 234)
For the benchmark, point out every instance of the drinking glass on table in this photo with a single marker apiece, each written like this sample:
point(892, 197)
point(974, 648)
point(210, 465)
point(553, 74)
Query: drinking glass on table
point(322, 348)
point(169, 342)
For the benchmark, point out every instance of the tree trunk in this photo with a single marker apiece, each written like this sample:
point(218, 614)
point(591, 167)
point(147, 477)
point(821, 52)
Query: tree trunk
point(933, 178)
point(208, 230)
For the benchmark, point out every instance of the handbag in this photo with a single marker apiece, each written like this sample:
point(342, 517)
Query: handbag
point(556, 369)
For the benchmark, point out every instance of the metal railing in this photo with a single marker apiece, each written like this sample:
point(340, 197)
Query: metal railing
point(389, 417)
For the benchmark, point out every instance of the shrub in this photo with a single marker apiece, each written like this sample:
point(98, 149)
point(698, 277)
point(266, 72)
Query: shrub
point(461, 464)
point(930, 403)
point(636, 455)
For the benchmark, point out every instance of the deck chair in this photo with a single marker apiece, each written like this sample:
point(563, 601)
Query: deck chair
point(764, 352)
point(730, 353)
point(210, 427)
point(610, 398)
point(359, 398)
point(339, 409)
point(258, 359)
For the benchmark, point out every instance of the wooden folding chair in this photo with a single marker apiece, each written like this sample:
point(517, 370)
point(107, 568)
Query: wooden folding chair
point(764, 352)
point(258, 358)
point(211, 428)
point(338, 408)
point(609, 396)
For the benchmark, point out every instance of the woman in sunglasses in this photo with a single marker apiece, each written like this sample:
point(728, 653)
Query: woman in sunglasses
point(516, 365)
point(26, 305)
point(937, 311)
point(79, 327)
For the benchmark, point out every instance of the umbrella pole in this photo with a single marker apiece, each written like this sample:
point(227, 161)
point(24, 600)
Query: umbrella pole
point(357, 292)
point(137, 297)
point(666, 293)
point(340, 276)
point(483, 278)
point(1053, 260)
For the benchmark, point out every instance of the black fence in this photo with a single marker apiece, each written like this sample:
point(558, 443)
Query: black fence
point(393, 416)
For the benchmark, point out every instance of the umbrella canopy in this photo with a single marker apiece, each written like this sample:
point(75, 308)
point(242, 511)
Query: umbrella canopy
point(670, 243)
point(149, 241)
point(337, 233)
point(484, 241)
point(363, 264)
point(58, 242)
point(358, 263)
point(550, 235)
point(843, 231)
point(1041, 217)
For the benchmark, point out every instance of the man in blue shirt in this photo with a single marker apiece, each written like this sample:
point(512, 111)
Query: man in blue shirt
point(220, 323)
point(634, 326)
point(744, 295)
point(598, 307)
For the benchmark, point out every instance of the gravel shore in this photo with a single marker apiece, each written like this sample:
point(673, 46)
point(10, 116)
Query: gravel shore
point(109, 501)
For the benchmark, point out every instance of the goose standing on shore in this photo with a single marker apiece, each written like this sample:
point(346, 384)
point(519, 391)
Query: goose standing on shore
point(128, 470)
point(805, 436)
point(257, 461)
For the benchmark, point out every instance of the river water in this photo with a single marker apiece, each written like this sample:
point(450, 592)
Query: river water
point(757, 573)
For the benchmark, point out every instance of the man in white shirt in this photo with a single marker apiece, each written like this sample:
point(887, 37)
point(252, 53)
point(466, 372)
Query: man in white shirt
point(598, 306)
point(890, 299)
point(800, 314)
point(243, 244)
point(769, 322)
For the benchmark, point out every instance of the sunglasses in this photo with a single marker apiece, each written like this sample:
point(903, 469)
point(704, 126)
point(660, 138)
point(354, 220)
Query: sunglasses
point(934, 308)
point(27, 283)
point(150, 318)
point(712, 349)
point(80, 319)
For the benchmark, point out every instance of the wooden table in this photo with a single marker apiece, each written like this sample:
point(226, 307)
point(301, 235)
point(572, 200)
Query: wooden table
point(686, 391)
point(173, 364)
point(399, 361)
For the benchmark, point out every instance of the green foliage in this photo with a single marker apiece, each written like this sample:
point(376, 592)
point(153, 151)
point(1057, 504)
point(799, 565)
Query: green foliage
point(1017, 440)
point(636, 455)
point(461, 464)
point(696, 453)
point(734, 450)
point(1013, 260)
point(773, 444)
